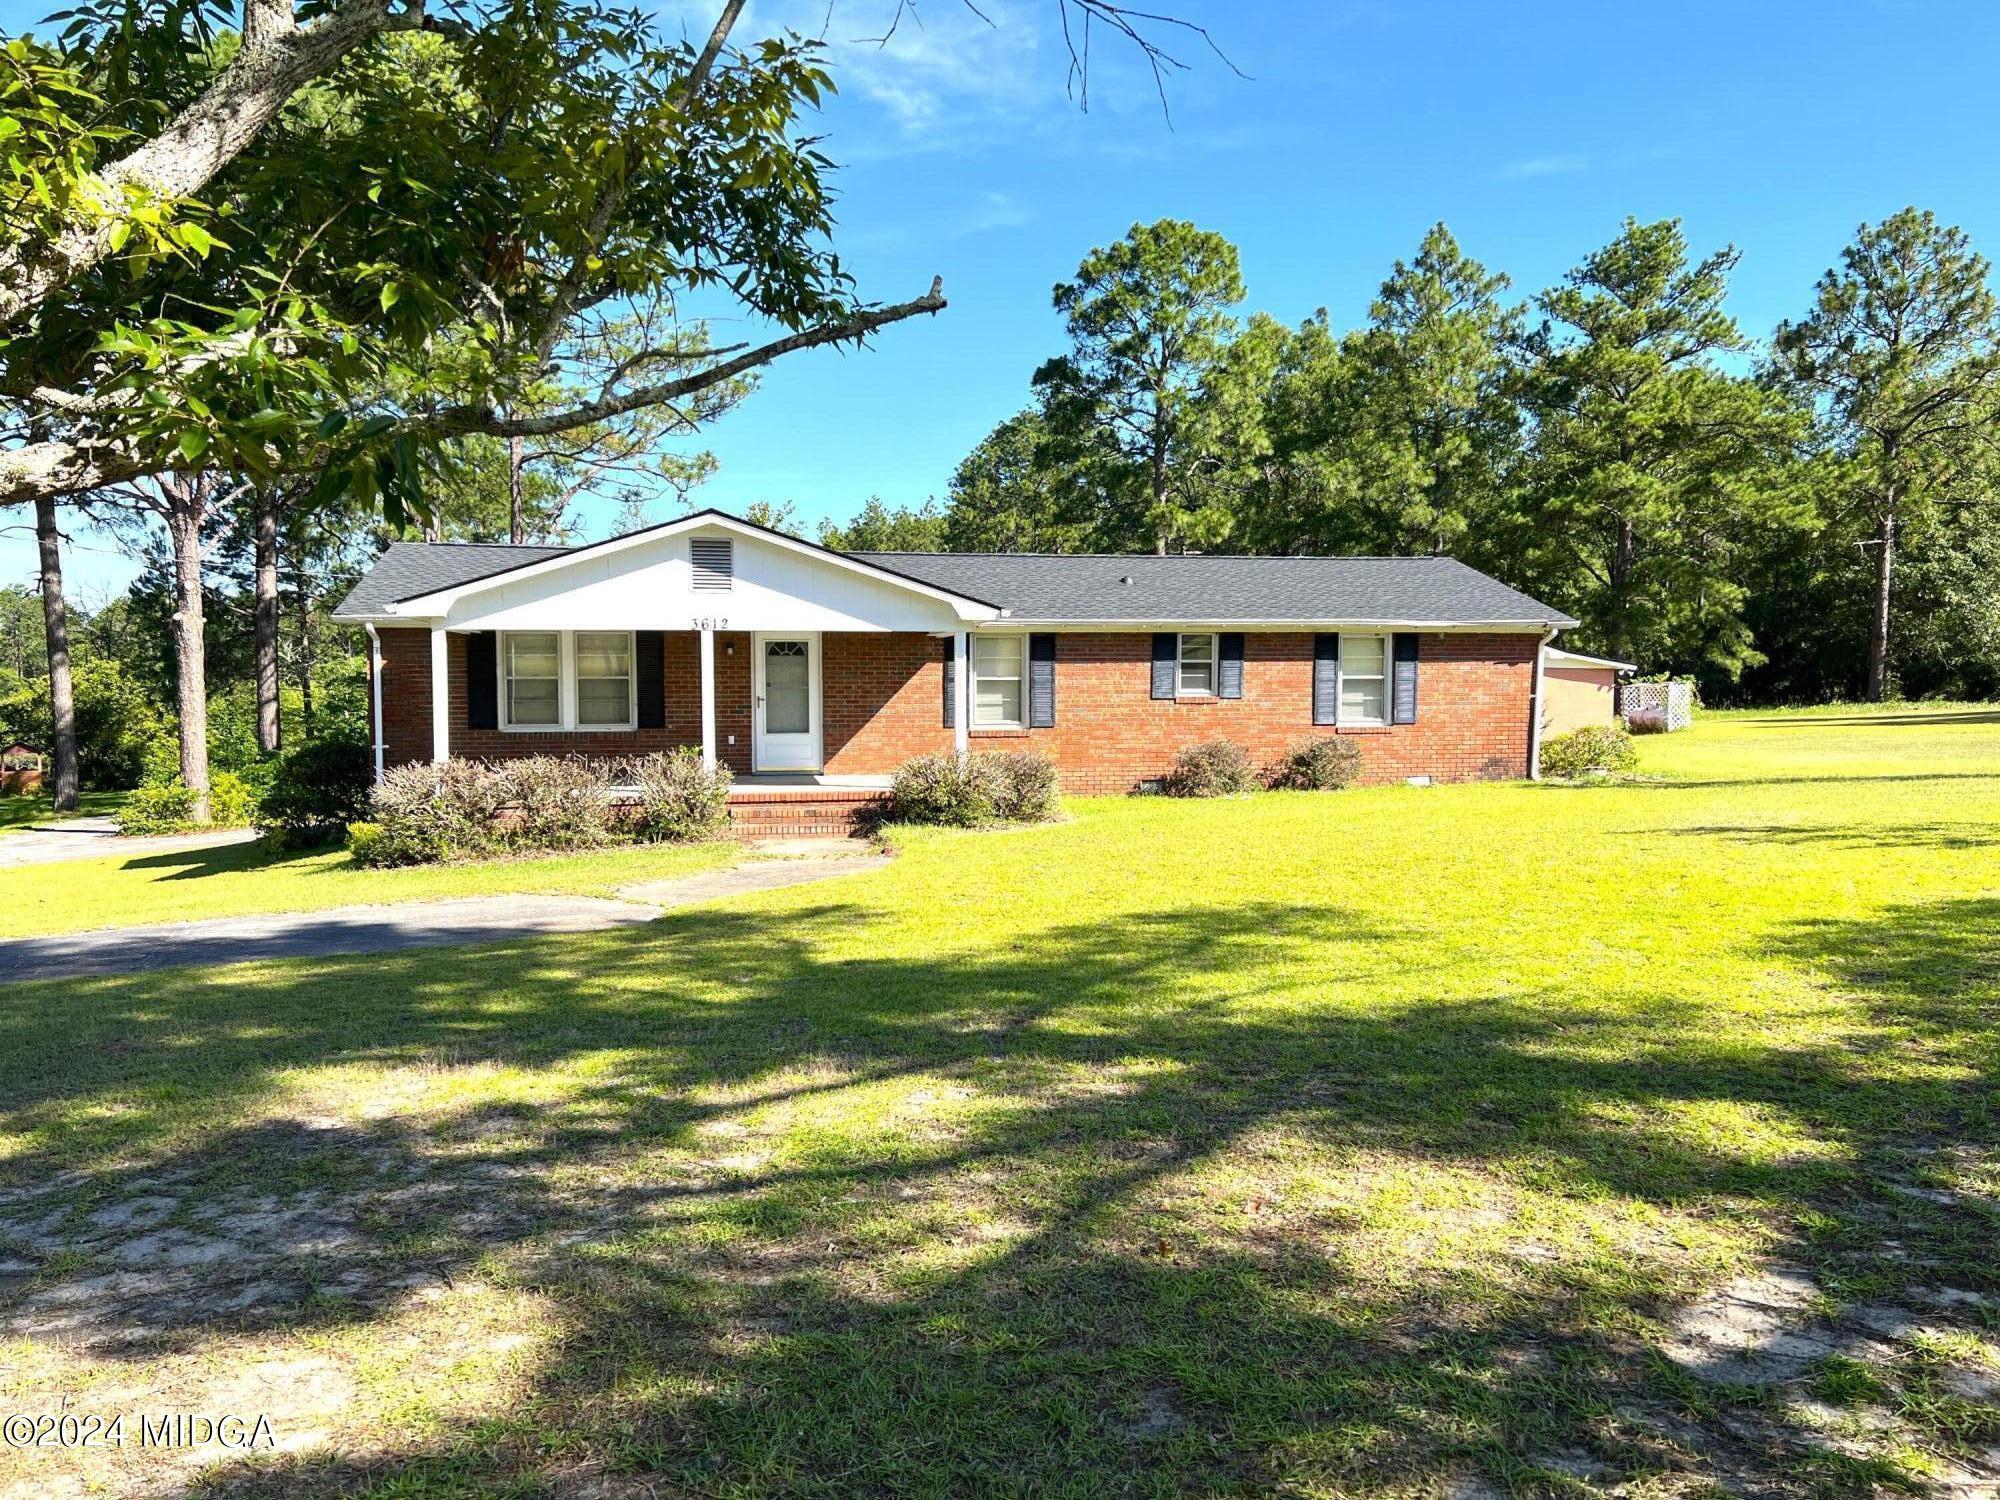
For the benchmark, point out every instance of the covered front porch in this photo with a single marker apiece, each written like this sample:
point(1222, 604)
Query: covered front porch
point(783, 710)
point(768, 654)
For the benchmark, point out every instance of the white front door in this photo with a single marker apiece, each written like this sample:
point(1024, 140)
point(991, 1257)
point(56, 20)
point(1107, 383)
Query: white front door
point(786, 684)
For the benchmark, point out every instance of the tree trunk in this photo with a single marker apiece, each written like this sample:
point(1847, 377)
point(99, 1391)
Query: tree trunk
point(1624, 562)
point(186, 496)
point(267, 619)
point(62, 695)
point(517, 520)
point(302, 593)
point(1878, 634)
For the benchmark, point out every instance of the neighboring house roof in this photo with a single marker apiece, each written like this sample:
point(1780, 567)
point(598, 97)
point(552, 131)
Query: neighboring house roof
point(1560, 658)
point(1075, 589)
point(1201, 588)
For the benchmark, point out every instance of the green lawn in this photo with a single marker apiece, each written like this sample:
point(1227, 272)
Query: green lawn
point(233, 880)
point(1402, 1141)
point(26, 812)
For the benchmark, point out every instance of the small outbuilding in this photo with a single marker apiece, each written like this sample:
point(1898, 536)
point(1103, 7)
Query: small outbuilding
point(20, 770)
point(1579, 691)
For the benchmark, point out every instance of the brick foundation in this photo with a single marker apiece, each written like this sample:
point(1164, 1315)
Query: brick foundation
point(883, 697)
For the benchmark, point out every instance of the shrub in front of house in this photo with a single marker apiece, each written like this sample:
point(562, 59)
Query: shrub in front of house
point(1595, 750)
point(542, 804)
point(679, 798)
point(164, 805)
point(950, 791)
point(436, 811)
point(1318, 765)
point(1214, 768)
point(554, 802)
point(1024, 786)
point(364, 843)
point(316, 790)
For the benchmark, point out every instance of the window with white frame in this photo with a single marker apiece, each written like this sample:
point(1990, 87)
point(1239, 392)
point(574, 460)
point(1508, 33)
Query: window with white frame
point(1196, 672)
point(531, 679)
point(999, 663)
point(1364, 679)
point(604, 679)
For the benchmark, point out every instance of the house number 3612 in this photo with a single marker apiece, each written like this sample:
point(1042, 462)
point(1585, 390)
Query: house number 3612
point(710, 622)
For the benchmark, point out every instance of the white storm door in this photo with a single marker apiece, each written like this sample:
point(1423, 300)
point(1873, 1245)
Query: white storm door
point(786, 686)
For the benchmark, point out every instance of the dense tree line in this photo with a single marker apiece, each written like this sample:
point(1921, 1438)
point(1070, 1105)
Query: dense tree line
point(1806, 517)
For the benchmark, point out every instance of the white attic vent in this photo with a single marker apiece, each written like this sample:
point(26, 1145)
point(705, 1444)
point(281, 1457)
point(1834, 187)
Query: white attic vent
point(714, 564)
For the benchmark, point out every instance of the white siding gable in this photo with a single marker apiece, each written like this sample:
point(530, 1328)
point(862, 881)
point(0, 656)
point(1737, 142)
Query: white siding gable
point(650, 586)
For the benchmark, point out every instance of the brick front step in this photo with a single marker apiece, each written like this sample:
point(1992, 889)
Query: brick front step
point(804, 812)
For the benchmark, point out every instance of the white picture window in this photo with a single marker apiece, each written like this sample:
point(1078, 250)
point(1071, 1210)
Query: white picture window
point(998, 667)
point(531, 679)
point(1197, 667)
point(604, 679)
point(1364, 679)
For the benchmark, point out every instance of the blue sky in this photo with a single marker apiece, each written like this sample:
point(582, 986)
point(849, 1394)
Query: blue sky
point(1531, 128)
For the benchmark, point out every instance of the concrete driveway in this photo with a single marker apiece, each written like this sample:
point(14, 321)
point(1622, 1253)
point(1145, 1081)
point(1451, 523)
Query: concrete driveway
point(99, 838)
point(406, 924)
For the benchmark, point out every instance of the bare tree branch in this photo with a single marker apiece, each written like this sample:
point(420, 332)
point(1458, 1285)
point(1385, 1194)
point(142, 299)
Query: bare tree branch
point(461, 421)
point(68, 467)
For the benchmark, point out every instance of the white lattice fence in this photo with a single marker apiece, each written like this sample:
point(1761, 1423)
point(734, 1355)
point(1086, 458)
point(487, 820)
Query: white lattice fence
point(1673, 700)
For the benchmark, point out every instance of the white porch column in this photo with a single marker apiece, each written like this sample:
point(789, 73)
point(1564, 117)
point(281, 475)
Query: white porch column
point(707, 699)
point(440, 695)
point(961, 711)
point(375, 696)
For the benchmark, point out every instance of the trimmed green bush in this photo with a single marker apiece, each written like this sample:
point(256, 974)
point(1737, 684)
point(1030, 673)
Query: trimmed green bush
point(679, 797)
point(364, 843)
point(316, 790)
point(1596, 749)
point(167, 806)
point(1024, 786)
point(950, 791)
point(1214, 768)
point(1325, 764)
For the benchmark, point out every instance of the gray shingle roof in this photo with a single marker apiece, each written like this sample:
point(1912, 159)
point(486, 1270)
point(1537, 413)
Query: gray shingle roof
point(411, 568)
point(1136, 589)
point(1216, 588)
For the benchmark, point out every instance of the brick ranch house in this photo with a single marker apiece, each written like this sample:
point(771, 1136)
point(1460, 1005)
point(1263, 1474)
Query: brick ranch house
point(804, 668)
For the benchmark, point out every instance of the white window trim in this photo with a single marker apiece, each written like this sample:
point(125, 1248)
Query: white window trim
point(506, 702)
point(566, 688)
point(1386, 677)
point(973, 720)
point(1214, 688)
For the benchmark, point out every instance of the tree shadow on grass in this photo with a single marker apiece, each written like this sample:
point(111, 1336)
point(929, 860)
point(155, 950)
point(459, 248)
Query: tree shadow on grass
point(1933, 835)
point(221, 859)
point(1049, 1288)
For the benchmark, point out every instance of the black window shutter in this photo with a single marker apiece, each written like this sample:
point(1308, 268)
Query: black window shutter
point(649, 660)
point(1403, 705)
point(482, 680)
point(1166, 660)
point(1229, 665)
point(1041, 681)
point(1326, 679)
point(951, 682)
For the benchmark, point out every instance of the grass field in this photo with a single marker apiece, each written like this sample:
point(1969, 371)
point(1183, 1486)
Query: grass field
point(1463, 1140)
point(183, 885)
point(26, 812)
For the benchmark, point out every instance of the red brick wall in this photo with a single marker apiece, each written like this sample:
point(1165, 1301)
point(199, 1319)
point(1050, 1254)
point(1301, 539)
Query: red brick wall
point(882, 700)
point(883, 694)
point(1111, 733)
